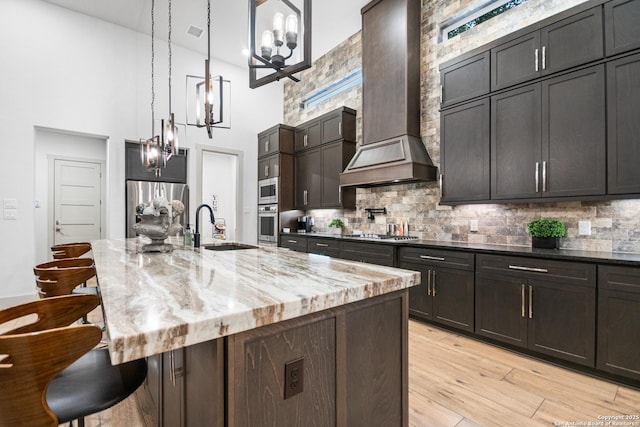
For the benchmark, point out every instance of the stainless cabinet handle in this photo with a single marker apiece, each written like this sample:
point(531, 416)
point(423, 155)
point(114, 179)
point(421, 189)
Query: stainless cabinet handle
point(433, 258)
point(305, 140)
point(544, 176)
point(292, 241)
point(340, 128)
point(441, 94)
point(544, 57)
point(322, 245)
point(522, 297)
point(441, 179)
point(339, 194)
point(266, 146)
point(535, 54)
point(532, 269)
point(433, 283)
point(266, 171)
point(305, 198)
point(530, 302)
point(537, 176)
point(172, 368)
point(428, 282)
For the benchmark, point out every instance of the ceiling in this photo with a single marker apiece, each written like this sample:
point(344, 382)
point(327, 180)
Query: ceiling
point(228, 22)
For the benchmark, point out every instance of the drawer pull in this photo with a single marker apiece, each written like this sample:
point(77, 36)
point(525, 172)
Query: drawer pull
point(433, 286)
point(433, 258)
point(535, 270)
point(324, 245)
point(530, 302)
point(292, 241)
point(523, 312)
point(428, 282)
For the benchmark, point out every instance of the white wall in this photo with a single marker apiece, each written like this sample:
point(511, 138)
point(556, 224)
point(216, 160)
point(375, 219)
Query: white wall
point(66, 71)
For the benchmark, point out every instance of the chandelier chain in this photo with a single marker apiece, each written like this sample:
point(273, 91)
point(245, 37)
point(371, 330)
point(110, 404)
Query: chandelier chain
point(153, 93)
point(170, 53)
point(209, 30)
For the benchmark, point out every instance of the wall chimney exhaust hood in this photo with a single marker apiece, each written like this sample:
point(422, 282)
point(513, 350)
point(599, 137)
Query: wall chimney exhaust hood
point(392, 150)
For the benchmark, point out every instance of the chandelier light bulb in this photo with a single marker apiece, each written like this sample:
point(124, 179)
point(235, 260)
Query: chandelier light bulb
point(292, 31)
point(267, 43)
point(278, 29)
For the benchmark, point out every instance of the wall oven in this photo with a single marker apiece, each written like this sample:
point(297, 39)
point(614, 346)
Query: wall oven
point(268, 223)
point(268, 191)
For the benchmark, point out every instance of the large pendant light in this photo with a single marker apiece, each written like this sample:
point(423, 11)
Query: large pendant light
point(275, 27)
point(170, 130)
point(206, 93)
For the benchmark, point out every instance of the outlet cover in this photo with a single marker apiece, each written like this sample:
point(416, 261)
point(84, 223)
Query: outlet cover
point(10, 213)
point(10, 203)
point(584, 228)
point(293, 377)
point(473, 225)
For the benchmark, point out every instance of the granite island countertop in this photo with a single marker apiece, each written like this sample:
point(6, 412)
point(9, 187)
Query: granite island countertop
point(155, 303)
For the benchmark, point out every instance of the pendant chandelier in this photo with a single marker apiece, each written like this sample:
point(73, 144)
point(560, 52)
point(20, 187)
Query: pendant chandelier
point(274, 27)
point(205, 95)
point(156, 151)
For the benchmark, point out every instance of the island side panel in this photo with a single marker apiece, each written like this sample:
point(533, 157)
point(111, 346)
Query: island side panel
point(345, 383)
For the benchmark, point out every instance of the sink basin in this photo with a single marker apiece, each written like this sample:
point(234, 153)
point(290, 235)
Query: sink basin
point(228, 247)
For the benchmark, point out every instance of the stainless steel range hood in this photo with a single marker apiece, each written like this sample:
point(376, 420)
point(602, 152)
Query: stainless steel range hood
point(392, 150)
point(397, 160)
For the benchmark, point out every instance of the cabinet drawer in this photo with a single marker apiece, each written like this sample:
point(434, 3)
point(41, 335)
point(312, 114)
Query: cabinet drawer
point(625, 279)
point(295, 243)
point(466, 79)
point(437, 257)
point(368, 252)
point(323, 246)
point(575, 273)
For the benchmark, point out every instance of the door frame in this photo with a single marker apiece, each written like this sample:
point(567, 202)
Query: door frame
point(51, 158)
point(200, 149)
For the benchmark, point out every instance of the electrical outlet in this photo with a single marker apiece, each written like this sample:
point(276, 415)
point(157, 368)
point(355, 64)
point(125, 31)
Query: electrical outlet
point(584, 228)
point(473, 225)
point(10, 213)
point(10, 204)
point(293, 377)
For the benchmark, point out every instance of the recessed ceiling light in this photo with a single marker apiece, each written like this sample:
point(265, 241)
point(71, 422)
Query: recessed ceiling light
point(195, 31)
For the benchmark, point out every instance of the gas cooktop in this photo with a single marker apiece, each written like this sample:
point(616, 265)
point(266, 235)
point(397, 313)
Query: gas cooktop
point(382, 237)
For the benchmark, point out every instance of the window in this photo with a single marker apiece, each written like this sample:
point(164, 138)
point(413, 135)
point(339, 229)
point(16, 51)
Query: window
point(469, 20)
point(352, 79)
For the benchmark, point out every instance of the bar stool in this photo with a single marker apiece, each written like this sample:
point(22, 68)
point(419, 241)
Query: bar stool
point(50, 374)
point(70, 250)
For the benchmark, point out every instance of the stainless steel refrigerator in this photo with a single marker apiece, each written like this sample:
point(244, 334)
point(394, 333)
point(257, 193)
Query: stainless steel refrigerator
point(145, 191)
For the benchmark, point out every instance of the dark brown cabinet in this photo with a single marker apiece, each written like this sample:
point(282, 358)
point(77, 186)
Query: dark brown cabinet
point(277, 139)
point(446, 291)
point(623, 104)
point(466, 79)
point(548, 139)
point(332, 126)
point(465, 152)
point(275, 160)
point(567, 43)
point(294, 242)
point(308, 179)
point(372, 253)
point(308, 135)
point(320, 246)
point(619, 320)
point(542, 305)
point(621, 26)
point(269, 167)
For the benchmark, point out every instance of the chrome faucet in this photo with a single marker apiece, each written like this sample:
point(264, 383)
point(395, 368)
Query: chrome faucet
point(196, 235)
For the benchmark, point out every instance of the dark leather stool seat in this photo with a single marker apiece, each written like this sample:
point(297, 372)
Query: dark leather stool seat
point(92, 384)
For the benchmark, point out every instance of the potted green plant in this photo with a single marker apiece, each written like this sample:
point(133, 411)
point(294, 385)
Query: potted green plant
point(546, 232)
point(338, 224)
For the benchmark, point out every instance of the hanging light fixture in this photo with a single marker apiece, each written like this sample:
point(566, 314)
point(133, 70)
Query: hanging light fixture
point(151, 149)
point(170, 130)
point(274, 24)
point(209, 93)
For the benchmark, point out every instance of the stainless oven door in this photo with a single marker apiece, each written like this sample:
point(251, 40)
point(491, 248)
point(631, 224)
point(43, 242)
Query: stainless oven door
point(268, 223)
point(268, 191)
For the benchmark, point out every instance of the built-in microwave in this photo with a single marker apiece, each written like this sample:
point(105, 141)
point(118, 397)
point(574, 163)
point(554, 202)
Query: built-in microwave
point(268, 223)
point(268, 191)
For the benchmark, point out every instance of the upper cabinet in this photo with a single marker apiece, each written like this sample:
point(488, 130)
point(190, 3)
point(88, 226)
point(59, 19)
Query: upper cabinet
point(277, 139)
point(465, 79)
point(622, 18)
point(332, 126)
point(567, 43)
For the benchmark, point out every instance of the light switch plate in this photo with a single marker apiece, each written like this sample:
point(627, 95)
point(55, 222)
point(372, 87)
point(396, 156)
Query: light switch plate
point(584, 228)
point(10, 213)
point(10, 204)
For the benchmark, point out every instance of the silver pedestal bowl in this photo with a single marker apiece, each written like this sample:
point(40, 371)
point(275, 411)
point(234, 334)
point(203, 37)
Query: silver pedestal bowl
point(157, 228)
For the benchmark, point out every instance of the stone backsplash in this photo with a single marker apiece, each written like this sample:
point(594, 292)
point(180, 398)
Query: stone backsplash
point(615, 225)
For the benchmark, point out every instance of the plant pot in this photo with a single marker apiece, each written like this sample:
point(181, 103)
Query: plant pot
point(545, 242)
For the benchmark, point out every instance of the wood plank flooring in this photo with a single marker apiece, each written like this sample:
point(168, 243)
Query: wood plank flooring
point(461, 382)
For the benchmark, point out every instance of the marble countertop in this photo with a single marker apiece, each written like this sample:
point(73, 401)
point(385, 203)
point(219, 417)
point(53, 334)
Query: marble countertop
point(155, 303)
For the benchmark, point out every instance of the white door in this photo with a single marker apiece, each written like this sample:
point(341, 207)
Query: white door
point(77, 199)
point(219, 190)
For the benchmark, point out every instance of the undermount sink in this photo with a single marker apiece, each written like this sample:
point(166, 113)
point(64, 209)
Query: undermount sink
point(228, 247)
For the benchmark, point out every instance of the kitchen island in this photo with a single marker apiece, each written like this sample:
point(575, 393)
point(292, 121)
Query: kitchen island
point(261, 336)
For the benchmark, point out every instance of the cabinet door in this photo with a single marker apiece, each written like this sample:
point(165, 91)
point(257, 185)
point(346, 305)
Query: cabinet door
point(465, 148)
point(623, 102)
point(373, 253)
point(515, 61)
point(452, 292)
point(500, 309)
point(263, 168)
point(619, 321)
point(562, 321)
point(335, 157)
point(573, 134)
point(308, 172)
point(300, 139)
point(515, 144)
point(322, 246)
point(173, 388)
point(466, 79)
point(268, 143)
point(621, 25)
point(332, 128)
point(573, 41)
point(293, 242)
point(204, 376)
point(420, 299)
point(153, 386)
point(274, 166)
point(301, 167)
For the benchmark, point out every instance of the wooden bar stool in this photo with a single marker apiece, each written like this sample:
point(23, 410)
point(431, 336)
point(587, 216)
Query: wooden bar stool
point(70, 250)
point(48, 371)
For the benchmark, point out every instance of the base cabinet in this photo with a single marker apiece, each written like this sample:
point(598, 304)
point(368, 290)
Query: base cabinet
point(446, 291)
point(544, 306)
point(619, 321)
